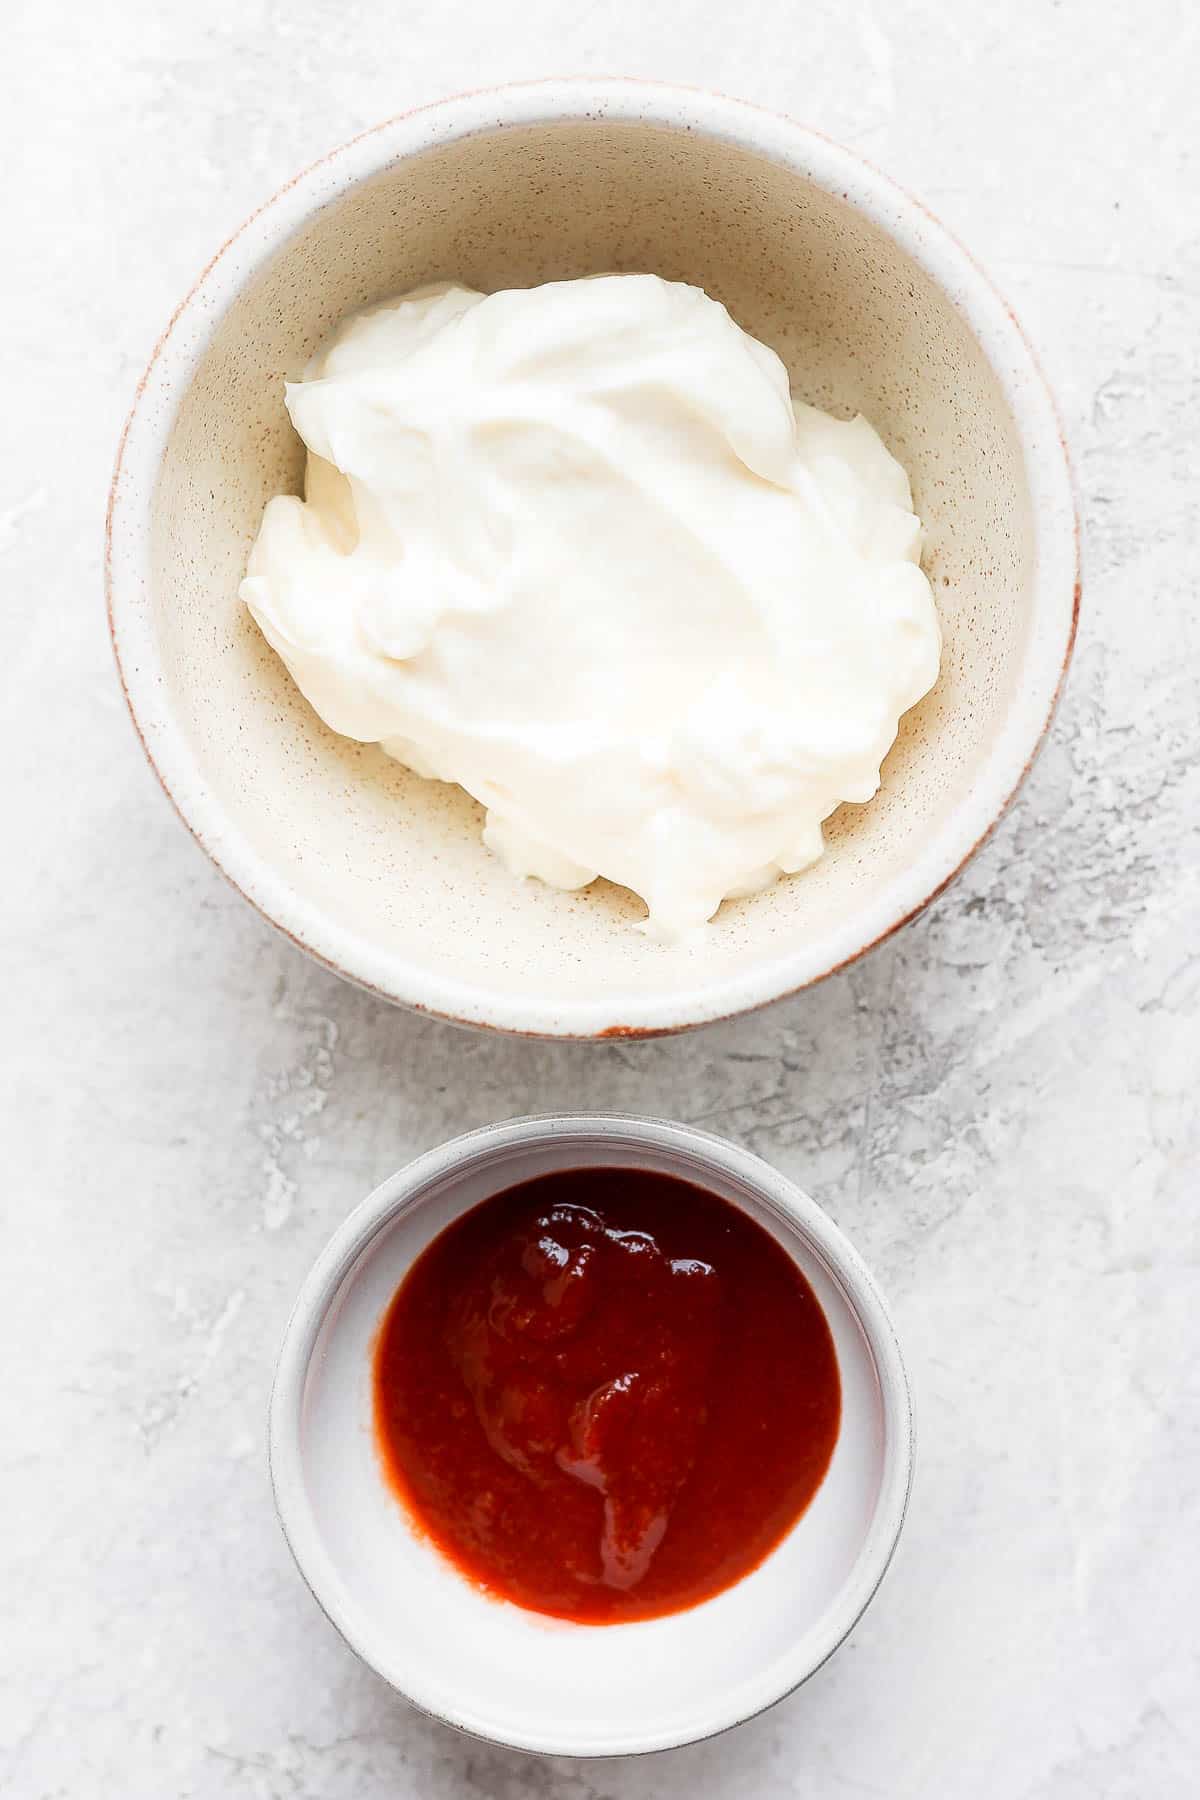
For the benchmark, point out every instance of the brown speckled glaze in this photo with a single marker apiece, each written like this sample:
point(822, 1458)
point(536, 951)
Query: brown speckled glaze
point(383, 875)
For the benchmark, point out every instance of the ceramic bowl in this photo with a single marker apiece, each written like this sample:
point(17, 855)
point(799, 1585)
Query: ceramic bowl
point(873, 307)
point(495, 1669)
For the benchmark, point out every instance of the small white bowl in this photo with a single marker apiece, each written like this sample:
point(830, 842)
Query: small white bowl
point(873, 307)
point(492, 1668)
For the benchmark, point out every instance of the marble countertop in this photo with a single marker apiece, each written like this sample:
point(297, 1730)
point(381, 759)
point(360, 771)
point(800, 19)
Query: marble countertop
point(998, 1105)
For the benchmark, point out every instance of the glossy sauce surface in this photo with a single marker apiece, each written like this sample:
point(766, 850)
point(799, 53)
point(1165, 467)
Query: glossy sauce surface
point(605, 1394)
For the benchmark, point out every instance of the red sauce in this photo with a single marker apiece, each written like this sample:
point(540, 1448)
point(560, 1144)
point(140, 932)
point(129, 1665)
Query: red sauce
point(605, 1394)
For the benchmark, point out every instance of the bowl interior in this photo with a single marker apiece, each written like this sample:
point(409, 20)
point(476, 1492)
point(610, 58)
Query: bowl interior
point(513, 1675)
point(393, 865)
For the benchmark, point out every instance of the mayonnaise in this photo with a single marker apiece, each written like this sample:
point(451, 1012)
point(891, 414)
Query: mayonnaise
point(576, 548)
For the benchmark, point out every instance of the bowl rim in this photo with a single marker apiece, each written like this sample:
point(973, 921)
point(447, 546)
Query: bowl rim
point(814, 158)
point(791, 1204)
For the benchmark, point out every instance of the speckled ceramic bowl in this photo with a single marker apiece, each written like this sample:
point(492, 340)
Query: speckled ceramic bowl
point(874, 308)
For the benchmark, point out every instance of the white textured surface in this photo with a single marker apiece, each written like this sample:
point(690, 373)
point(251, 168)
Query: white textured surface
point(998, 1106)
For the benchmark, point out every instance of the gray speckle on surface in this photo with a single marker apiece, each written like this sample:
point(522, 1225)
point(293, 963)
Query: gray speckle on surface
point(998, 1106)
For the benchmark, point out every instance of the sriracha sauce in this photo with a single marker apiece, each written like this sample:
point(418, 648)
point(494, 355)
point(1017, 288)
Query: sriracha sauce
point(605, 1394)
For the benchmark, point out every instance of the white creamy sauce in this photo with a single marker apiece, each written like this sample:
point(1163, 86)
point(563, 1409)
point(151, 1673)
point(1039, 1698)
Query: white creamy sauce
point(576, 548)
